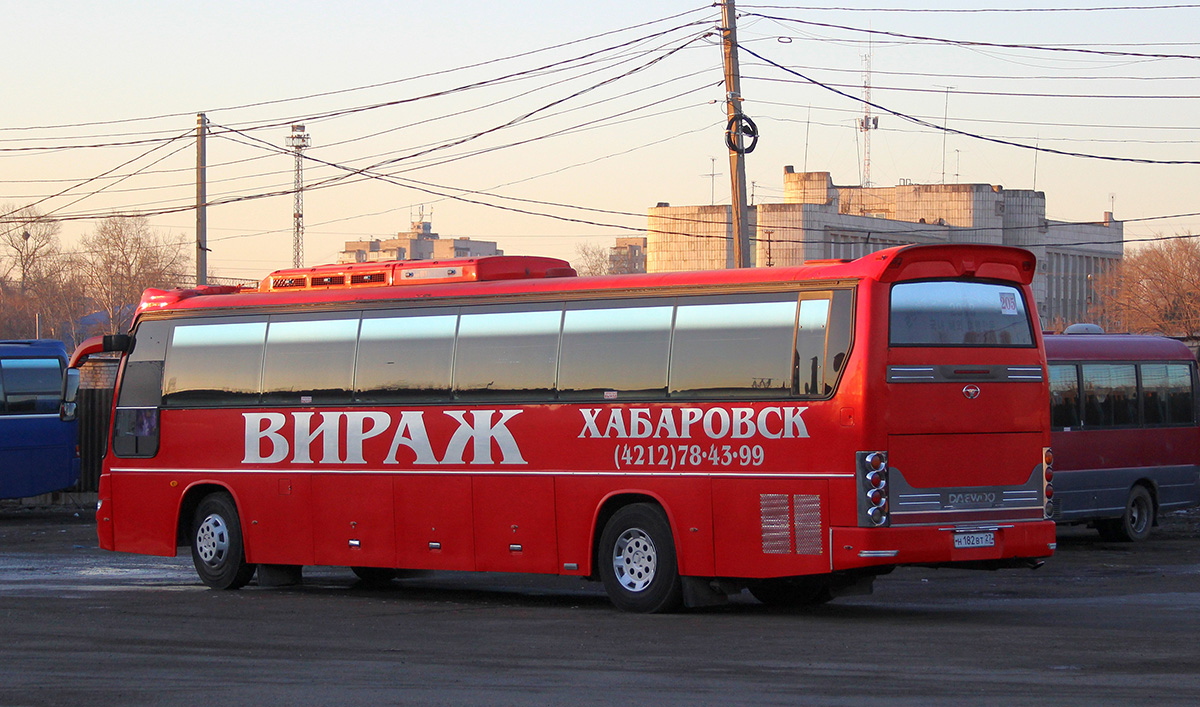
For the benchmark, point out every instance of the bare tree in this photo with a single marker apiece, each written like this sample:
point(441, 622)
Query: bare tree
point(28, 243)
point(120, 259)
point(1153, 290)
point(591, 259)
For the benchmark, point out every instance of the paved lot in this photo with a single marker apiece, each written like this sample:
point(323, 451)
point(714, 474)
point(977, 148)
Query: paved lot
point(1101, 623)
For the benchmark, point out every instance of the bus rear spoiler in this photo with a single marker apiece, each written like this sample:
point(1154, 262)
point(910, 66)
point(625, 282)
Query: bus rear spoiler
point(100, 344)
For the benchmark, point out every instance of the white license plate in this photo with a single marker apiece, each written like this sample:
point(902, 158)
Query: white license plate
point(974, 540)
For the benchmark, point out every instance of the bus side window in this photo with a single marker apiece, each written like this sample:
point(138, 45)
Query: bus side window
point(1110, 395)
point(405, 358)
point(31, 385)
point(135, 420)
point(507, 353)
point(616, 351)
point(1167, 394)
point(740, 347)
point(216, 361)
point(1064, 396)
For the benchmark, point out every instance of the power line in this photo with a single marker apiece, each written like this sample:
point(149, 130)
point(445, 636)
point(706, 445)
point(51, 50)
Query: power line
point(955, 131)
point(972, 43)
point(191, 113)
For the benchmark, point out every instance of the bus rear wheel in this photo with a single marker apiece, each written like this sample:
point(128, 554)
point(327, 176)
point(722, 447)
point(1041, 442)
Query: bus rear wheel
point(1134, 525)
point(638, 563)
point(1135, 522)
point(217, 548)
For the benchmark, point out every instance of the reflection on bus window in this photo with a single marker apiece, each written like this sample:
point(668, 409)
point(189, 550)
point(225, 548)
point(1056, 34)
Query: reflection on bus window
point(309, 360)
point(507, 354)
point(31, 385)
point(734, 348)
point(405, 357)
point(1064, 396)
point(958, 314)
point(622, 351)
point(1109, 395)
point(214, 363)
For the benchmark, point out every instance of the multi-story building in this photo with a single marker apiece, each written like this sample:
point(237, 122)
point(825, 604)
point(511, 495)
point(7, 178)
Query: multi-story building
point(420, 243)
point(627, 256)
point(818, 220)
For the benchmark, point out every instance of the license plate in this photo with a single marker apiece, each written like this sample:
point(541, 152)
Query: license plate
point(962, 540)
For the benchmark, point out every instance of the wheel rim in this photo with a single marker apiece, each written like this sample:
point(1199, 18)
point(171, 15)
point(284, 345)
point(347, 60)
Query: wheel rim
point(635, 560)
point(1139, 515)
point(212, 540)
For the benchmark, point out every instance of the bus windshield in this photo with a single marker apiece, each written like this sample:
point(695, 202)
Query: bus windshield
point(954, 313)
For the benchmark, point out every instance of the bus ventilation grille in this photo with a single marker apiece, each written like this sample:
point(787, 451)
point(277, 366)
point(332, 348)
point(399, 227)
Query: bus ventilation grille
point(368, 278)
point(328, 280)
point(791, 524)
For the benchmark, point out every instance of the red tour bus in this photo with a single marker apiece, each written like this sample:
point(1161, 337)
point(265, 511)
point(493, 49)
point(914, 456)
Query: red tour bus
point(678, 436)
point(1124, 426)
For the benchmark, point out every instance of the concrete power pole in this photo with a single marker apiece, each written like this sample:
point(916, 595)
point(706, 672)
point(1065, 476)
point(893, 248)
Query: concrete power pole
point(298, 140)
point(201, 199)
point(737, 126)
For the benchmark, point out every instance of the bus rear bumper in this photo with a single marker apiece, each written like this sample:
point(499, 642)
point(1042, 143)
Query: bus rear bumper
point(987, 547)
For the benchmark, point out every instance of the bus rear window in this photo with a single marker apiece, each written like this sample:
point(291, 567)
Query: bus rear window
point(950, 313)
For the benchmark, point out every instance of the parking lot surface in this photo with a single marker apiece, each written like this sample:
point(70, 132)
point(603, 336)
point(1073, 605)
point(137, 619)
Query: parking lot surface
point(1100, 623)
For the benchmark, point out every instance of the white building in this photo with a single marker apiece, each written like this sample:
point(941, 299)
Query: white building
point(818, 220)
point(420, 243)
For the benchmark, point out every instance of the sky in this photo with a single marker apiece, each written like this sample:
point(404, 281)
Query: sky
point(546, 125)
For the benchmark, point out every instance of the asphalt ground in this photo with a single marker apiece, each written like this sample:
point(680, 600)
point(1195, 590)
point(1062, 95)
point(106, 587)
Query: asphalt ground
point(1101, 623)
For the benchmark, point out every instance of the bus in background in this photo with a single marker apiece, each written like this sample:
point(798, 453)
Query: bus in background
point(677, 436)
point(1124, 430)
point(39, 452)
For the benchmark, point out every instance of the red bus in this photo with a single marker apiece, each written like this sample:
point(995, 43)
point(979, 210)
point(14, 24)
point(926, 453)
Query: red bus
point(678, 436)
point(1124, 427)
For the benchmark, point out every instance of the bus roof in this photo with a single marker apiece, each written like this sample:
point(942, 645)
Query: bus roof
point(1115, 347)
point(499, 276)
point(33, 347)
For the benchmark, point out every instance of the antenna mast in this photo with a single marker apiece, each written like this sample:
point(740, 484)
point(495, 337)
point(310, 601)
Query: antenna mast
point(298, 140)
point(867, 123)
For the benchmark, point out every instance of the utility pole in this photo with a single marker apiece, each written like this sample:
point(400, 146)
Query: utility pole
point(945, 123)
point(201, 203)
point(738, 123)
point(298, 140)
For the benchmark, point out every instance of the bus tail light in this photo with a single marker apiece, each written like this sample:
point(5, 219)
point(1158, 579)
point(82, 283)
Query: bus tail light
point(1047, 477)
point(873, 475)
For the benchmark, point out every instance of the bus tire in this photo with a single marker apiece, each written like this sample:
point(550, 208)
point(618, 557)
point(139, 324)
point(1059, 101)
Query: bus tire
point(790, 592)
point(218, 551)
point(638, 563)
point(1135, 523)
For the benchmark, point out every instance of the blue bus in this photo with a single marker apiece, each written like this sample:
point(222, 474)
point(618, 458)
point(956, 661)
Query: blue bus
point(39, 452)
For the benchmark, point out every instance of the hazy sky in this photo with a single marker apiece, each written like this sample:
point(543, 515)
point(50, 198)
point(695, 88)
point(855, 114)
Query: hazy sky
point(588, 112)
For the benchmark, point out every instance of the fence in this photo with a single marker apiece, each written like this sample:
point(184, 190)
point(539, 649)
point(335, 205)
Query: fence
point(97, 379)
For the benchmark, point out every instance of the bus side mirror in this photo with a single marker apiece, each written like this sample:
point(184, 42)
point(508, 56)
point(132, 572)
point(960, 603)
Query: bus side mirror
point(118, 342)
point(70, 392)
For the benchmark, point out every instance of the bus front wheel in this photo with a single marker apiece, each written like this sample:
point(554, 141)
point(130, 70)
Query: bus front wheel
point(1134, 525)
point(637, 561)
point(217, 548)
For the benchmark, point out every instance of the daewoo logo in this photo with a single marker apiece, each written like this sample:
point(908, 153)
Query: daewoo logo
point(971, 391)
point(964, 499)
